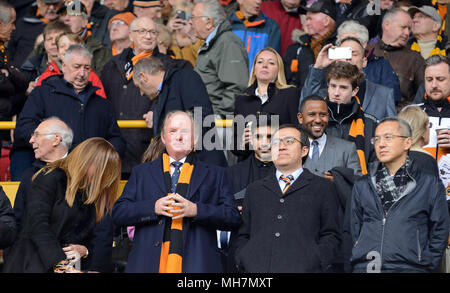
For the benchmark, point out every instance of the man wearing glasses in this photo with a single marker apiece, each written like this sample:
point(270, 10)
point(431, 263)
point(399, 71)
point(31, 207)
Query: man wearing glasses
point(399, 217)
point(128, 103)
point(290, 218)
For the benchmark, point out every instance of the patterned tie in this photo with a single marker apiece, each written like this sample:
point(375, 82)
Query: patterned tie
point(175, 175)
point(288, 181)
point(315, 153)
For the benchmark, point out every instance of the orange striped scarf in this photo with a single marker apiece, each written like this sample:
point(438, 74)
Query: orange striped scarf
point(171, 259)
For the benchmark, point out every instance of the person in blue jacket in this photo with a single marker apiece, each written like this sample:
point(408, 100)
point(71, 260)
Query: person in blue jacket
point(73, 99)
point(255, 29)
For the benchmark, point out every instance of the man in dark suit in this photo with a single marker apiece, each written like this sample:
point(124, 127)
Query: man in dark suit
point(176, 203)
point(257, 166)
point(290, 218)
point(173, 89)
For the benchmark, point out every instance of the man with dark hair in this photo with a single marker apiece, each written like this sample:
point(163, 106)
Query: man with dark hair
point(436, 104)
point(399, 219)
point(44, 53)
point(326, 151)
point(289, 197)
point(347, 119)
point(375, 99)
point(29, 27)
point(174, 89)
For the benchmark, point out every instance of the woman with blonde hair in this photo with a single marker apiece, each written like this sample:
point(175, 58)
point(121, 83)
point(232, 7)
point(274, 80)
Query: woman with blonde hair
point(420, 126)
point(267, 92)
point(65, 201)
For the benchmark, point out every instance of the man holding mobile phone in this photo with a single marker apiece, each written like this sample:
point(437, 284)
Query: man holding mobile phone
point(376, 99)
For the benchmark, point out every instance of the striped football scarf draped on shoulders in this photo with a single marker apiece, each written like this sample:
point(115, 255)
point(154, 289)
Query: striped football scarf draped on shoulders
point(172, 248)
point(356, 134)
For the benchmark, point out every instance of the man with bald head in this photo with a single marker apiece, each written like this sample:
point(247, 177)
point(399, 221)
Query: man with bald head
point(128, 103)
point(51, 141)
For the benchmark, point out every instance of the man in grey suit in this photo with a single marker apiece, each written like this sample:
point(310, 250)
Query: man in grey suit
point(326, 151)
point(376, 99)
point(330, 157)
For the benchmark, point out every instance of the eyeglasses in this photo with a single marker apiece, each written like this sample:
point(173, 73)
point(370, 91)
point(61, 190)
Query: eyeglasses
point(144, 32)
point(286, 140)
point(430, 124)
point(36, 133)
point(388, 138)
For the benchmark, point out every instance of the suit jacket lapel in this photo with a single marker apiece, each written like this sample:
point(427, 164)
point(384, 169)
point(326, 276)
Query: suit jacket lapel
point(158, 174)
point(197, 178)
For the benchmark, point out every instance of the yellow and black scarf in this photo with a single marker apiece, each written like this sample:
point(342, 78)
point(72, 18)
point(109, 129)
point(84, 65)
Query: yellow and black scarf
point(172, 248)
point(356, 134)
point(3, 56)
point(439, 48)
point(130, 65)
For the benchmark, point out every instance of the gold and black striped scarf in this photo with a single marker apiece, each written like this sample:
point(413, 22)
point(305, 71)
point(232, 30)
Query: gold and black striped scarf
point(439, 48)
point(356, 134)
point(172, 247)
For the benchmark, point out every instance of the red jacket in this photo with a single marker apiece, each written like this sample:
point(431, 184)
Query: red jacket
point(53, 69)
point(288, 21)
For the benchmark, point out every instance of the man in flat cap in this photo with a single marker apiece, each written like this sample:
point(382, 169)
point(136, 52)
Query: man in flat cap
point(320, 26)
point(426, 26)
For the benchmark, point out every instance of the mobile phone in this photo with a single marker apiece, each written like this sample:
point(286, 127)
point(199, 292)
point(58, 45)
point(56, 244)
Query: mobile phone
point(183, 14)
point(340, 53)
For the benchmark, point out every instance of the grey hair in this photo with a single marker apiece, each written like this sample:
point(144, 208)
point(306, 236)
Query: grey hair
point(213, 9)
point(437, 59)
point(77, 49)
point(150, 65)
point(403, 126)
point(62, 129)
point(196, 125)
point(136, 19)
point(392, 13)
point(5, 12)
point(352, 26)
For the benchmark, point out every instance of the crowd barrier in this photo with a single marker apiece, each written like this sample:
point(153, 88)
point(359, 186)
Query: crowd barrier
point(11, 187)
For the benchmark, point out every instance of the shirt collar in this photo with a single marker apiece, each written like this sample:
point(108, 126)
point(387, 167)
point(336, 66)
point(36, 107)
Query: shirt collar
point(294, 174)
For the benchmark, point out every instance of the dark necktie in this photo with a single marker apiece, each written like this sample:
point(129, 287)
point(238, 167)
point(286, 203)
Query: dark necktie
point(288, 181)
point(175, 175)
point(223, 239)
point(315, 153)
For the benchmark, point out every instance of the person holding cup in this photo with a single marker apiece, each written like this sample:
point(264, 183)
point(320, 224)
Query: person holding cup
point(436, 105)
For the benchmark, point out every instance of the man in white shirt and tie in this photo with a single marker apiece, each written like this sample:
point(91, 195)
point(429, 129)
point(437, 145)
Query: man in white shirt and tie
point(326, 152)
